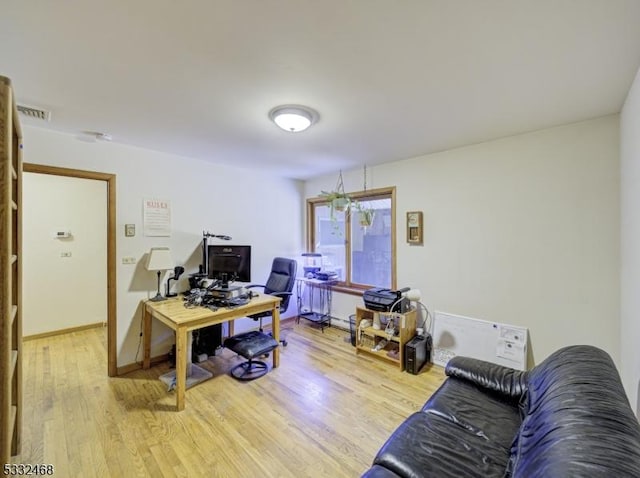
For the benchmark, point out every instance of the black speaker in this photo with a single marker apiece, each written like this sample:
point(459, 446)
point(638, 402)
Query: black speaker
point(417, 352)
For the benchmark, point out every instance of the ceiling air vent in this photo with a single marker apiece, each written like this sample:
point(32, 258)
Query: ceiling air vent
point(35, 113)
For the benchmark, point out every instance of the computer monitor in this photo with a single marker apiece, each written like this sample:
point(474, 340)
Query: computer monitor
point(229, 263)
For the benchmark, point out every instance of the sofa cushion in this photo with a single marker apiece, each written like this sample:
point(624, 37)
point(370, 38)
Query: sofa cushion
point(460, 432)
point(506, 382)
point(426, 445)
point(578, 421)
point(492, 418)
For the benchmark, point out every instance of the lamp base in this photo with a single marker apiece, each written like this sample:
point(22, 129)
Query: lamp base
point(157, 298)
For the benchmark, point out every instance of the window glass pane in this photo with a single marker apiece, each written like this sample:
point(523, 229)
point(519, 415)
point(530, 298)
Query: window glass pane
point(371, 245)
point(329, 239)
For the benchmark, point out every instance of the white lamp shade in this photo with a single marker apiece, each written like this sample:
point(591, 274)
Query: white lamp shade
point(159, 259)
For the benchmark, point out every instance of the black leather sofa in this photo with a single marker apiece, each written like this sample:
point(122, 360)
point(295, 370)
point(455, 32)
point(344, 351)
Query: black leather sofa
point(567, 417)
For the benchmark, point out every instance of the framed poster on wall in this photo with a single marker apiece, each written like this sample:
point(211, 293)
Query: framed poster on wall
point(156, 217)
point(414, 227)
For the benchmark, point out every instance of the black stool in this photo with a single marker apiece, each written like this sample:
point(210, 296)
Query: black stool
point(250, 344)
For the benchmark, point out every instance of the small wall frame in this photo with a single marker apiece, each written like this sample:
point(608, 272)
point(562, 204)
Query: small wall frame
point(414, 227)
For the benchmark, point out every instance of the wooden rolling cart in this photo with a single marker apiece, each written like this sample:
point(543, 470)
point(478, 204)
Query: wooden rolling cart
point(368, 337)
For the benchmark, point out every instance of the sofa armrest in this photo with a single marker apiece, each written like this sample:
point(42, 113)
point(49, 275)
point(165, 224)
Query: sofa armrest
point(504, 381)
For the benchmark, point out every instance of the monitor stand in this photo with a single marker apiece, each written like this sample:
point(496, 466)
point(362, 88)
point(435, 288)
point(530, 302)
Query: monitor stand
point(195, 373)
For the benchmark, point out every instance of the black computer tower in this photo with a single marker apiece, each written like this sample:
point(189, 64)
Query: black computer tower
point(417, 352)
point(206, 340)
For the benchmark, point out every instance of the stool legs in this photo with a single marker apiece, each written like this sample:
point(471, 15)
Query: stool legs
point(249, 370)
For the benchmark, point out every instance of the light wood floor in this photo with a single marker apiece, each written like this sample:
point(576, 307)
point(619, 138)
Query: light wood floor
point(324, 412)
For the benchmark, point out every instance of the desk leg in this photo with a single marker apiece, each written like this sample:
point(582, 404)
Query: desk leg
point(146, 333)
point(275, 330)
point(299, 301)
point(181, 367)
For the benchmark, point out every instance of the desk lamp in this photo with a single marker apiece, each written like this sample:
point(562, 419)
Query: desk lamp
point(159, 259)
point(177, 272)
point(414, 295)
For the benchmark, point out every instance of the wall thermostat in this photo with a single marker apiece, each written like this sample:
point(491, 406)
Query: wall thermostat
point(62, 234)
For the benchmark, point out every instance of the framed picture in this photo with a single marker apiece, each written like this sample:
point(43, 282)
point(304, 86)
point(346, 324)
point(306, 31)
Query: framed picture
point(414, 227)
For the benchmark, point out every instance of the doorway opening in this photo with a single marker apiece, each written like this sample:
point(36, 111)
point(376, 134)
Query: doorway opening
point(111, 246)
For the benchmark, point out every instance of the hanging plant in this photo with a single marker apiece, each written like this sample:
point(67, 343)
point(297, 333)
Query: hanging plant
point(365, 215)
point(338, 200)
point(340, 203)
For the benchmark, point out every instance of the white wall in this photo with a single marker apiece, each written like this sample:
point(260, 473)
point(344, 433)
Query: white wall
point(63, 292)
point(257, 209)
point(523, 230)
point(630, 243)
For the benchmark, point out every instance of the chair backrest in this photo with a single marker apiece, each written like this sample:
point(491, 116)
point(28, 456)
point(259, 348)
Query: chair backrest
point(282, 278)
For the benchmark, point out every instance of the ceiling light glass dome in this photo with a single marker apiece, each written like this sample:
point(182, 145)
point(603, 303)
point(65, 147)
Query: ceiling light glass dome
point(293, 118)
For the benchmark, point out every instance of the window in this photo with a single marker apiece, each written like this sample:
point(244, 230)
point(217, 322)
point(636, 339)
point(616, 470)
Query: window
point(362, 256)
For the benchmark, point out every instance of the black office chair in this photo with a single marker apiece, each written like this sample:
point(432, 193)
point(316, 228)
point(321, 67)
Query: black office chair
point(255, 343)
point(280, 283)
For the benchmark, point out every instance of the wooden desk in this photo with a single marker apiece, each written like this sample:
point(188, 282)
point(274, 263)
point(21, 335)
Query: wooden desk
point(174, 314)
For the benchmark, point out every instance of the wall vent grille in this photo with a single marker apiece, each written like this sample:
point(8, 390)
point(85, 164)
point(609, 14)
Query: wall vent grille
point(35, 113)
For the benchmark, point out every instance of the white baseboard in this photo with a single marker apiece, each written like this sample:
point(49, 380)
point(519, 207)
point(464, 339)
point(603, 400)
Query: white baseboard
point(340, 323)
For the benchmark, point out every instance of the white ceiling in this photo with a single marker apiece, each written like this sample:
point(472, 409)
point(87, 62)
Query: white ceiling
point(391, 79)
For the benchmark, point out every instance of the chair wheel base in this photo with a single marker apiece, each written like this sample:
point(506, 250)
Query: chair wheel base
point(249, 370)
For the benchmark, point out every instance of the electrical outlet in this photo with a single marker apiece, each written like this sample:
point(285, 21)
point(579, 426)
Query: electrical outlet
point(128, 260)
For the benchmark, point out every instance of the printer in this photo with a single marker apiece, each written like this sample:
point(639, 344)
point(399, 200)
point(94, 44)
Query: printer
point(382, 300)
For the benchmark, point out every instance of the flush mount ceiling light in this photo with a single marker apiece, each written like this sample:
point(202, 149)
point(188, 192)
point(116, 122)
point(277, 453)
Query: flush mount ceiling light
point(293, 118)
